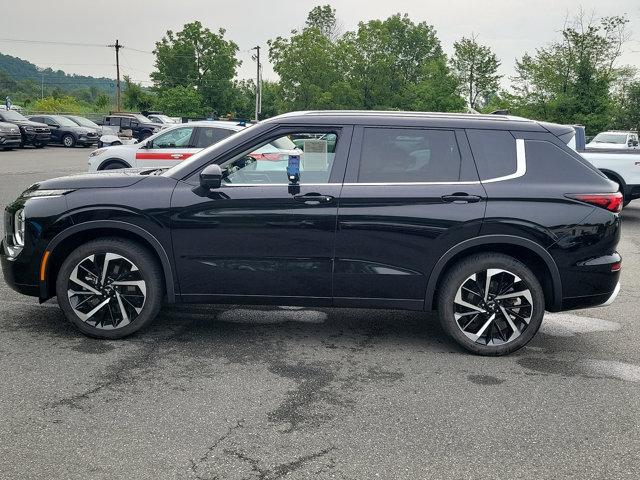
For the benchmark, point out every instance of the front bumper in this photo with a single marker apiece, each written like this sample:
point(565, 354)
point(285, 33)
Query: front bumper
point(87, 140)
point(12, 270)
point(36, 138)
point(10, 140)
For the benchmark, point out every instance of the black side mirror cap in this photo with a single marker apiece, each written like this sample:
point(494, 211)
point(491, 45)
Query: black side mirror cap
point(211, 177)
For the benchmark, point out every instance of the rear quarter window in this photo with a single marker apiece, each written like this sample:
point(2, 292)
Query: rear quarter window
point(547, 161)
point(494, 152)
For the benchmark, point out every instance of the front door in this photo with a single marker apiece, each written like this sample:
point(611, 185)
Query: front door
point(409, 195)
point(260, 236)
point(168, 148)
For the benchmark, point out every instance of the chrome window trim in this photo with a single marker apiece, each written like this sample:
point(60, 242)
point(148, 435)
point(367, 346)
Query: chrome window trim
point(521, 170)
point(521, 164)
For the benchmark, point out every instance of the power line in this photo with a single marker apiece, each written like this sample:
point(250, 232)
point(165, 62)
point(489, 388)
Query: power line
point(48, 42)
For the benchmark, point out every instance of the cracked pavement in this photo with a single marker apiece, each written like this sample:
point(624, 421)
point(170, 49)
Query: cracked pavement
point(217, 392)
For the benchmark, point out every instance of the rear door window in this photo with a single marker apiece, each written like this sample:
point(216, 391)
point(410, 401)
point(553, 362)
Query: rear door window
point(494, 152)
point(207, 136)
point(407, 155)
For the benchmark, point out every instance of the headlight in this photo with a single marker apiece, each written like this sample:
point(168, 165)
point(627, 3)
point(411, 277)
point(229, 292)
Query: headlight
point(30, 129)
point(97, 152)
point(19, 228)
point(44, 193)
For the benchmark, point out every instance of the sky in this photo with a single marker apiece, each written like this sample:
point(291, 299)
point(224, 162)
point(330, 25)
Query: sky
point(509, 27)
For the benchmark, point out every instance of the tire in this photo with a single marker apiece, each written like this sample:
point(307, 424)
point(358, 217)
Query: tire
point(113, 165)
point(69, 141)
point(125, 308)
point(498, 336)
point(144, 135)
point(115, 143)
point(39, 145)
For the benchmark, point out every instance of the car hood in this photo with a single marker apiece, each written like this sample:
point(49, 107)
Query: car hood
point(83, 129)
point(106, 179)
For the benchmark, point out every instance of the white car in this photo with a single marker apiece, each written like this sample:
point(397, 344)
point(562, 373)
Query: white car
point(614, 140)
point(164, 149)
point(160, 118)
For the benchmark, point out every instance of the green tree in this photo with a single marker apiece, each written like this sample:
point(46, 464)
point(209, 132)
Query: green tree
point(197, 57)
point(436, 90)
point(384, 58)
point(324, 19)
point(102, 101)
point(306, 64)
point(572, 80)
point(476, 68)
point(181, 101)
point(135, 97)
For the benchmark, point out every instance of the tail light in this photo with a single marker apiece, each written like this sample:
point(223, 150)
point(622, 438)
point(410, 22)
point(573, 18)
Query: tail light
point(608, 201)
point(616, 267)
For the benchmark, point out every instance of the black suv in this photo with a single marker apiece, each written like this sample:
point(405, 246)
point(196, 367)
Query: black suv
point(67, 132)
point(33, 133)
point(141, 127)
point(490, 220)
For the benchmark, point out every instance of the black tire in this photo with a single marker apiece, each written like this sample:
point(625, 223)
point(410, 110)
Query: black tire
point(39, 145)
point(69, 141)
point(459, 274)
point(148, 270)
point(146, 134)
point(115, 143)
point(113, 165)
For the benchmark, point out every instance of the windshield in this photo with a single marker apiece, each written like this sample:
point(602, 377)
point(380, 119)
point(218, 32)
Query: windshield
point(64, 121)
point(617, 138)
point(163, 119)
point(84, 122)
point(12, 115)
point(141, 118)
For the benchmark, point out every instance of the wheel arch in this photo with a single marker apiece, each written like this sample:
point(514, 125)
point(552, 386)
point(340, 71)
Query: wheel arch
point(66, 241)
point(525, 250)
point(108, 161)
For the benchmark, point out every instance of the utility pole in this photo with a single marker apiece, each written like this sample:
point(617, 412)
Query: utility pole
point(258, 83)
point(117, 46)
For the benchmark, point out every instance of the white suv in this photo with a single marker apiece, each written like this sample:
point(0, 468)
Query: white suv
point(164, 149)
point(614, 140)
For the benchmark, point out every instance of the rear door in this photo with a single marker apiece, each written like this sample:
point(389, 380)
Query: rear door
point(168, 148)
point(409, 195)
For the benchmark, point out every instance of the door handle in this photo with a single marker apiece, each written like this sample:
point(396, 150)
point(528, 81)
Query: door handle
point(459, 197)
point(313, 198)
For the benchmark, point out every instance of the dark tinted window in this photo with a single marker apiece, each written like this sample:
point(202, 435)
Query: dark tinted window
point(544, 157)
point(409, 155)
point(208, 136)
point(494, 152)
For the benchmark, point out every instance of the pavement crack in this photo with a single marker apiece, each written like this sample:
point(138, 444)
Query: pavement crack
point(205, 457)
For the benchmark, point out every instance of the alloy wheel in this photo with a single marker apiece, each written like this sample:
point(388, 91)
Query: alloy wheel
point(68, 141)
point(106, 291)
point(493, 307)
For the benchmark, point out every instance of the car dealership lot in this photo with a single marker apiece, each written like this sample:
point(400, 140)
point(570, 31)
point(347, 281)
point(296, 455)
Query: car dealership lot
point(224, 392)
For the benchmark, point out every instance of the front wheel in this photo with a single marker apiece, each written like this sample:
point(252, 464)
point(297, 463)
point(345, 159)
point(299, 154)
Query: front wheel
point(110, 288)
point(491, 304)
point(68, 141)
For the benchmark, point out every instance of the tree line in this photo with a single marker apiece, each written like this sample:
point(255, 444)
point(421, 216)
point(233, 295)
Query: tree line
point(396, 64)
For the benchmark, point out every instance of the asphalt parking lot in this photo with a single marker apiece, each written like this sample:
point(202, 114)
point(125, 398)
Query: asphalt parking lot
point(266, 393)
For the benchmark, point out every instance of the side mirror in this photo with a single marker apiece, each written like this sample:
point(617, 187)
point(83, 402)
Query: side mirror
point(630, 143)
point(211, 177)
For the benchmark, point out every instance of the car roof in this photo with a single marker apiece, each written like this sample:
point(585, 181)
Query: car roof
point(405, 118)
point(235, 126)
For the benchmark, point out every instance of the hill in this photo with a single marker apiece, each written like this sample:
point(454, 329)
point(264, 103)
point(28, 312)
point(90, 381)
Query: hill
point(19, 69)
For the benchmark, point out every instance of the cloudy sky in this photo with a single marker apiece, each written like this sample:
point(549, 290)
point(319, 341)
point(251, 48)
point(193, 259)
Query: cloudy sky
point(509, 27)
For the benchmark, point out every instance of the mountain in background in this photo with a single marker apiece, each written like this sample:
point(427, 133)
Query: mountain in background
point(19, 69)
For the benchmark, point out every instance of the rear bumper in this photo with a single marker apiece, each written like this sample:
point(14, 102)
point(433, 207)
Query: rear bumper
point(631, 192)
point(33, 138)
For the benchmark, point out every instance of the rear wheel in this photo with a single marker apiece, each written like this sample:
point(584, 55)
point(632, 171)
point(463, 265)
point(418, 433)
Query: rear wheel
point(68, 141)
point(491, 304)
point(110, 288)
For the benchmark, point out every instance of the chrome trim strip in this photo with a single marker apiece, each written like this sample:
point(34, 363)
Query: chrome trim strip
point(521, 169)
point(521, 164)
